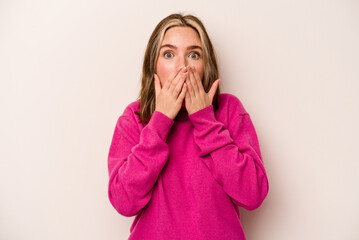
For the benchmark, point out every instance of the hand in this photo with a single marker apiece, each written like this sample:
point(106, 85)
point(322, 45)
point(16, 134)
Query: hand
point(169, 98)
point(196, 97)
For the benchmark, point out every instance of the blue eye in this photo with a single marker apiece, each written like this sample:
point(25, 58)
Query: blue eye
point(167, 55)
point(194, 55)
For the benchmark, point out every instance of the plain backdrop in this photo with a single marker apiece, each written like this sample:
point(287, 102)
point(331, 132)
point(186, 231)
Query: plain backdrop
point(69, 68)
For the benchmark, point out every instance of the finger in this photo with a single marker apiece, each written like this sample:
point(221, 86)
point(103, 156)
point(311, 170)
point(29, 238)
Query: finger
point(175, 81)
point(194, 86)
point(157, 84)
point(197, 79)
point(190, 87)
point(213, 89)
point(188, 97)
point(183, 93)
point(179, 85)
point(168, 83)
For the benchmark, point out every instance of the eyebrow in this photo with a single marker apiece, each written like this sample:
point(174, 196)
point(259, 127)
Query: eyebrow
point(174, 47)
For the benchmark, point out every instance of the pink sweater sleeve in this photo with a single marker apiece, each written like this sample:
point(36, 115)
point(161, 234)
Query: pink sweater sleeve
point(232, 155)
point(135, 160)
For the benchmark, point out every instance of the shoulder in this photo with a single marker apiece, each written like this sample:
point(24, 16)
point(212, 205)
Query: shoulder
point(232, 103)
point(127, 124)
point(128, 114)
point(131, 108)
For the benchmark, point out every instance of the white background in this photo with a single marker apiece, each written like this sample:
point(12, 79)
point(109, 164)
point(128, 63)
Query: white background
point(69, 68)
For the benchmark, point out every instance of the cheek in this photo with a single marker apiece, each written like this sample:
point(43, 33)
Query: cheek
point(165, 70)
point(199, 69)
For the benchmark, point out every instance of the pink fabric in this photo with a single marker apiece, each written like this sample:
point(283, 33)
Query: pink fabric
point(184, 178)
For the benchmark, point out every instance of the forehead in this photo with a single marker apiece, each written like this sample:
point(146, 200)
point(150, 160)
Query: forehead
point(181, 36)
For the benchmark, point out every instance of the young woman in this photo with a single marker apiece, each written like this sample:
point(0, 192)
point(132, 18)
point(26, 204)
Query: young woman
point(183, 156)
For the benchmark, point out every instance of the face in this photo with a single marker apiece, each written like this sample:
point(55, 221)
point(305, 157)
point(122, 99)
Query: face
point(181, 46)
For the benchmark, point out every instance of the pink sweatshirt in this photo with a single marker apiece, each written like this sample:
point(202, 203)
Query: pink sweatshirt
point(185, 178)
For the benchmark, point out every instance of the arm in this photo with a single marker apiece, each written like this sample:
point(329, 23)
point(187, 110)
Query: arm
point(135, 161)
point(232, 155)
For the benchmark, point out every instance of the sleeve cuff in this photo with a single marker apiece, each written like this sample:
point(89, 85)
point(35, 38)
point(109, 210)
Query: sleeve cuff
point(202, 117)
point(209, 134)
point(161, 123)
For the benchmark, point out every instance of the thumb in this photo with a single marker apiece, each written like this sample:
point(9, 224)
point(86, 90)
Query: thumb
point(157, 84)
point(213, 89)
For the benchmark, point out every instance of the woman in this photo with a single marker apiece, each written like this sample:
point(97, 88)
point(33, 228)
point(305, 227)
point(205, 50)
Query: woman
point(183, 156)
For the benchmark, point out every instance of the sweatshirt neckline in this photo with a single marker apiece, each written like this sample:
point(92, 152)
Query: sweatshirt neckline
point(182, 114)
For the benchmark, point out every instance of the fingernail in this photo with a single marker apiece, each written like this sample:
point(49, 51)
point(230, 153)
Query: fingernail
point(179, 68)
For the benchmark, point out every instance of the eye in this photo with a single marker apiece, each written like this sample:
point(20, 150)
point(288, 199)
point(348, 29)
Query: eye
point(168, 55)
point(194, 55)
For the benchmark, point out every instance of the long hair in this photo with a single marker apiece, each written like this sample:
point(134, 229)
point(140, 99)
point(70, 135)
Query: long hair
point(147, 93)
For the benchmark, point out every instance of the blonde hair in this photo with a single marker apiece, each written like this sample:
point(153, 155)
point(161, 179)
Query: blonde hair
point(147, 93)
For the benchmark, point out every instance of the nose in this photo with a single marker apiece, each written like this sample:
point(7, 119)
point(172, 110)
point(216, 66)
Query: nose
point(183, 61)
